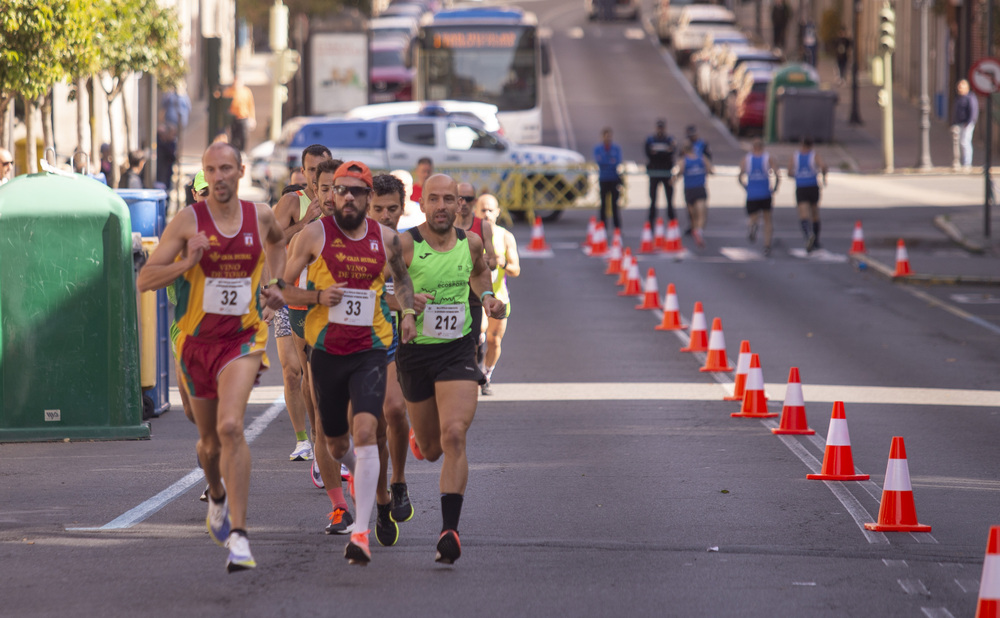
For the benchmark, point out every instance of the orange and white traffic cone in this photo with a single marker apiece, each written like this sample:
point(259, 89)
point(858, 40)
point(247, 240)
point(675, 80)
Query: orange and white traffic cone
point(838, 462)
point(699, 336)
point(742, 368)
point(671, 311)
point(588, 245)
point(659, 235)
point(754, 399)
point(616, 238)
point(599, 246)
point(989, 583)
point(538, 237)
point(650, 292)
point(897, 513)
point(716, 359)
point(615, 263)
point(627, 260)
point(632, 284)
point(902, 260)
point(793, 414)
point(646, 240)
point(673, 242)
point(858, 239)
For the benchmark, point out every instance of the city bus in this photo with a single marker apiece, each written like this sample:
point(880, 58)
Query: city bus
point(487, 54)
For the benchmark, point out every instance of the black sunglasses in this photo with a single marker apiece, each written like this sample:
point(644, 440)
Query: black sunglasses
point(467, 198)
point(357, 192)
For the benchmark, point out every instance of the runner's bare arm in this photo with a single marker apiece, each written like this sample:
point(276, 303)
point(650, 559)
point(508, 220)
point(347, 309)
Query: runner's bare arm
point(402, 284)
point(512, 266)
point(273, 239)
point(163, 268)
point(286, 212)
point(480, 280)
point(491, 255)
point(301, 252)
point(419, 300)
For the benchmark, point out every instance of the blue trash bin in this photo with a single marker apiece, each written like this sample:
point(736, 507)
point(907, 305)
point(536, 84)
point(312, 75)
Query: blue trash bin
point(148, 209)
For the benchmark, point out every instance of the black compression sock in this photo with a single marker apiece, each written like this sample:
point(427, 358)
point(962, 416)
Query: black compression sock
point(451, 510)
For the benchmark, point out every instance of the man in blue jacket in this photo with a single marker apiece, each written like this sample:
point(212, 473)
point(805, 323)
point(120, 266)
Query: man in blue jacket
point(963, 123)
point(608, 156)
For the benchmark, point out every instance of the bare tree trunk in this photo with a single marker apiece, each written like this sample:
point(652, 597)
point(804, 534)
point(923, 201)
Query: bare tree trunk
point(81, 125)
point(95, 137)
point(32, 138)
point(48, 137)
point(113, 180)
point(128, 123)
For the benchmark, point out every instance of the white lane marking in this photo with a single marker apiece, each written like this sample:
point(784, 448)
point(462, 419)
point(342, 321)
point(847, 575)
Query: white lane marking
point(894, 563)
point(936, 612)
point(819, 255)
point(575, 33)
point(528, 253)
point(739, 254)
point(913, 586)
point(160, 500)
point(952, 310)
point(967, 585)
point(635, 34)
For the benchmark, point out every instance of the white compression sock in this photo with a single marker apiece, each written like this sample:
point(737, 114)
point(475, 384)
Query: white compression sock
point(365, 483)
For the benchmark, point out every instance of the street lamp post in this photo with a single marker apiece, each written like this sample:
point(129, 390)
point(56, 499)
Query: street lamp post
point(925, 99)
point(855, 118)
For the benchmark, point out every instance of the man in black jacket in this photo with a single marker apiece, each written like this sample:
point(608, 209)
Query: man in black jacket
point(660, 149)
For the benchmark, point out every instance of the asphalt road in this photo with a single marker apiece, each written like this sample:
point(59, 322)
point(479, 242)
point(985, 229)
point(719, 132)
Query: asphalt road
point(607, 476)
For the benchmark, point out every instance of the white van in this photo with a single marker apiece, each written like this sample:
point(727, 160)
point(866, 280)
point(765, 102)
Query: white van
point(623, 9)
point(694, 24)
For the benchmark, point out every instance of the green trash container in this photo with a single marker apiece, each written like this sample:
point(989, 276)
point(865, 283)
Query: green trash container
point(69, 353)
point(799, 76)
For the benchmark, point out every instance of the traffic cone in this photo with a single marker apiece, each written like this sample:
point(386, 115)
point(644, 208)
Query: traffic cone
point(651, 293)
point(902, 260)
point(858, 239)
point(615, 263)
point(588, 245)
point(538, 237)
point(599, 247)
point(838, 463)
point(793, 414)
point(659, 235)
point(673, 242)
point(742, 368)
point(716, 359)
point(671, 313)
point(989, 583)
point(646, 240)
point(754, 400)
point(897, 513)
point(626, 265)
point(616, 239)
point(632, 284)
point(699, 337)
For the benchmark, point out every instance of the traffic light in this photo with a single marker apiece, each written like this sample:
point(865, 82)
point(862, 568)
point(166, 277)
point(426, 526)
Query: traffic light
point(887, 30)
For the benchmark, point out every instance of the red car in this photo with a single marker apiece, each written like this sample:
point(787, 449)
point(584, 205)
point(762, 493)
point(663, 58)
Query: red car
point(391, 75)
point(748, 106)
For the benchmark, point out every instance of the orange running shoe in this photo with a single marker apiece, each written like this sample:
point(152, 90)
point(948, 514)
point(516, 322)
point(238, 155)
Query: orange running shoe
point(357, 551)
point(414, 447)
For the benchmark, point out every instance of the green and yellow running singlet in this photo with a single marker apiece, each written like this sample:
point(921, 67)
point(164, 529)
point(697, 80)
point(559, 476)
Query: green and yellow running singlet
point(445, 275)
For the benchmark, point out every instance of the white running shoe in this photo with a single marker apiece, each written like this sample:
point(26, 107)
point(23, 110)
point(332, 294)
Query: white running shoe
point(303, 451)
point(314, 474)
point(240, 557)
point(217, 521)
point(345, 473)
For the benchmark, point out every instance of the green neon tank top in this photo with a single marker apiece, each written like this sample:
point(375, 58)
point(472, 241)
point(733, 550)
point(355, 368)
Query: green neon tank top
point(304, 202)
point(446, 276)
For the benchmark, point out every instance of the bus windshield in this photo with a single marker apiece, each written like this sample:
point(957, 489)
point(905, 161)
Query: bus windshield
point(487, 63)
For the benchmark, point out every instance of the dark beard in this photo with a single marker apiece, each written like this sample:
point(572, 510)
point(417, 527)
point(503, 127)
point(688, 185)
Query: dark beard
point(348, 223)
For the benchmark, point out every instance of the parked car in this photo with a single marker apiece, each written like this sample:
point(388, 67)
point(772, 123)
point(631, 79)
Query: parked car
point(695, 22)
point(749, 104)
point(704, 60)
point(623, 9)
point(390, 74)
point(722, 83)
point(393, 27)
point(666, 15)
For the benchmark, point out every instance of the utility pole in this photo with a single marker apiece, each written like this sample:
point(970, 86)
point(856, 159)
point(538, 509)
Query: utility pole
point(283, 64)
point(887, 44)
point(855, 119)
point(925, 100)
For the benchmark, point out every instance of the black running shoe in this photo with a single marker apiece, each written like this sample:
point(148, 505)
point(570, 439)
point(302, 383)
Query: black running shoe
point(386, 530)
point(449, 548)
point(341, 522)
point(401, 510)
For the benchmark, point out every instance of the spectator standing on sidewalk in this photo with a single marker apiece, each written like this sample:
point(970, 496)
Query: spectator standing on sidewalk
point(842, 49)
point(243, 113)
point(780, 15)
point(810, 42)
point(660, 149)
point(608, 156)
point(6, 166)
point(963, 123)
point(132, 178)
point(175, 110)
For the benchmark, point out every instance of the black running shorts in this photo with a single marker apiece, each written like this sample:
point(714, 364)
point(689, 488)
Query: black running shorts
point(807, 195)
point(694, 194)
point(357, 379)
point(421, 365)
point(758, 205)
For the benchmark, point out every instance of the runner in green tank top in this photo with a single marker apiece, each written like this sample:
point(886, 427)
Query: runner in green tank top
point(438, 371)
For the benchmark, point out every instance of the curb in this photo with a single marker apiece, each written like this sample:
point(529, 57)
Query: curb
point(943, 223)
point(863, 262)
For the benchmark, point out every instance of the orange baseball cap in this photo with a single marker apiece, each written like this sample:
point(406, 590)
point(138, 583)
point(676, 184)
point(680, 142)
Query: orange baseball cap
point(364, 174)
